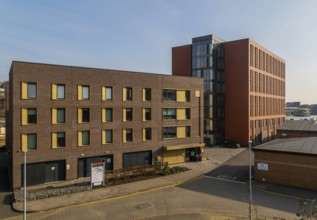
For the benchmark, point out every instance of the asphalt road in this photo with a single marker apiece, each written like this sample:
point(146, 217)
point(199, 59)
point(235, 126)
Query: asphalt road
point(235, 169)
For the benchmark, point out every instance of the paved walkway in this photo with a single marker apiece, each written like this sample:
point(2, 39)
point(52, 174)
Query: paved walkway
point(215, 156)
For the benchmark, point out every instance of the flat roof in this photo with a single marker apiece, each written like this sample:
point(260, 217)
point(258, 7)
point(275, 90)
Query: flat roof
point(299, 125)
point(306, 145)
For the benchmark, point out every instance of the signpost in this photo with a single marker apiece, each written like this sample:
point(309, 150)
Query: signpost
point(97, 174)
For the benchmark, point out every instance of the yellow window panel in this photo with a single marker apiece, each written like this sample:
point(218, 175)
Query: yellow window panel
point(181, 132)
point(124, 94)
point(24, 90)
point(197, 93)
point(103, 115)
point(143, 134)
point(24, 144)
point(54, 91)
point(54, 116)
point(80, 115)
point(124, 136)
point(103, 93)
point(24, 115)
point(181, 96)
point(143, 94)
point(181, 114)
point(143, 114)
point(54, 140)
point(80, 92)
point(124, 114)
point(103, 137)
point(80, 139)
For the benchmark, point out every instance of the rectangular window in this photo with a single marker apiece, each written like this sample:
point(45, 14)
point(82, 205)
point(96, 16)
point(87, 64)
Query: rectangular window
point(58, 139)
point(147, 94)
point(85, 138)
point(106, 93)
point(187, 131)
point(28, 90)
point(83, 92)
point(169, 95)
point(147, 114)
point(187, 95)
point(107, 136)
point(127, 135)
point(108, 114)
point(60, 115)
point(169, 113)
point(29, 141)
point(147, 134)
point(169, 132)
point(127, 94)
point(60, 91)
point(187, 113)
point(127, 114)
point(83, 115)
point(29, 116)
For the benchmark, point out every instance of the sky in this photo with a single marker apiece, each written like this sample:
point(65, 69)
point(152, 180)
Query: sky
point(137, 35)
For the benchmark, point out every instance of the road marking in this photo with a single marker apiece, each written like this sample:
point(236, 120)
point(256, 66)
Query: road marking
point(217, 178)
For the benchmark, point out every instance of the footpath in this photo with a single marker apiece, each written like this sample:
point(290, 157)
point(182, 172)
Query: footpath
point(215, 157)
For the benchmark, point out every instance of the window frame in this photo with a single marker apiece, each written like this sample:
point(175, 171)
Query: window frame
point(145, 137)
point(148, 115)
point(82, 136)
point(57, 93)
point(129, 94)
point(106, 119)
point(28, 115)
point(57, 138)
point(169, 136)
point(84, 115)
point(146, 90)
point(169, 95)
point(126, 135)
point(106, 88)
point(57, 118)
point(106, 141)
point(28, 139)
point(130, 114)
point(82, 92)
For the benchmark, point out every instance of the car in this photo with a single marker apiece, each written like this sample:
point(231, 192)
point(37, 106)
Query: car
point(231, 144)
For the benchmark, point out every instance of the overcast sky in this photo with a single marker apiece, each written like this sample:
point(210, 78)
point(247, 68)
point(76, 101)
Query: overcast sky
point(137, 35)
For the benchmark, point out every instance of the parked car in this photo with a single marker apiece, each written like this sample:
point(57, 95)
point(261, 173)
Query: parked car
point(232, 144)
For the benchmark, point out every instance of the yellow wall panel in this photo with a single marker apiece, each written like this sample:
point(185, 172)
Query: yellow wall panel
point(181, 114)
point(174, 156)
point(54, 91)
point(80, 92)
point(24, 90)
point(80, 115)
point(54, 116)
point(124, 114)
point(143, 114)
point(103, 136)
point(181, 132)
point(103, 115)
point(24, 116)
point(124, 136)
point(80, 138)
point(24, 142)
point(124, 94)
point(181, 96)
point(197, 93)
point(143, 94)
point(103, 93)
point(54, 140)
point(143, 134)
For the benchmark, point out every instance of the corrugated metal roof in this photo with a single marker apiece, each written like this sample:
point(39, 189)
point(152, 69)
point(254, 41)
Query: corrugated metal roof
point(299, 125)
point(307, 145)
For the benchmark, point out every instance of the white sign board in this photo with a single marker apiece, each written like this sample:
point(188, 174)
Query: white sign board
point(97, 174)
point(263, 166)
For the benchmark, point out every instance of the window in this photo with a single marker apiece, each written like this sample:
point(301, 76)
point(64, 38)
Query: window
point(29, 116)
point(127, 94)
point(147, 94)
point(28, 90)
point(58, 139)
point(83, 92)
point(83, 115)
point(169, 132)
point(106, 93)
point(187, 95)
point(127, 114)
point(58, 115)
point(147, 134)
point(83, 138)
point(169, 113)
point(107, 137)
point(107, 115)
point(187, 113)
point(29, 141)
point(169, 95)
point(58, 91)
point(127, 135)
point(146, 114)
point(187, 131)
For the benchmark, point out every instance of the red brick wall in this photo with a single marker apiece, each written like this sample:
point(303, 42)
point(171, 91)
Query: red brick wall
point(182, 60)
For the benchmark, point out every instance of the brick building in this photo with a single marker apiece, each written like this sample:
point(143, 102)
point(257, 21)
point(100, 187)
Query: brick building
point(69, 117)
point(244, 87)
point(297, 128)
point(291, 162)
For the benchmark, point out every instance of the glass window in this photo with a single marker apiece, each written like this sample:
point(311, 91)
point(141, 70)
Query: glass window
point(108, 136)
point(60, 115)
point(187, 131)
point(128, 93)
point(169, 132)
point(60, 91)
point(108, 114)
point(85, 90)
point(169, 95)
point(86, 115)
point(187, 94)
point(32, 119)
point(169, 113)
point(187, 113)
point(32, 142)
point(129, 135)
point(85, 137)
point(60, 139)
point(129, 114)
point(147, 94)
point(147, 114)
point(31, 91)
point(108, 93)
point(148, 134)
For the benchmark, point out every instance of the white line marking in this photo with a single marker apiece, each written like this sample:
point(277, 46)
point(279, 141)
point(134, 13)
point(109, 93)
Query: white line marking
point(234, 181)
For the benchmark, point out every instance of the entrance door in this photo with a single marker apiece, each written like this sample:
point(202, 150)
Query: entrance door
point(51, 172)
point(108, 160)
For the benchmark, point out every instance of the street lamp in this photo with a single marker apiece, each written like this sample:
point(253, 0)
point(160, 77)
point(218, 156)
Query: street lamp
point(250, 181)
point(24, 184)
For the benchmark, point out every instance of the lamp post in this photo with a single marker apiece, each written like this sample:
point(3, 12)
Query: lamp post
point(250, 181)
point(24, 184)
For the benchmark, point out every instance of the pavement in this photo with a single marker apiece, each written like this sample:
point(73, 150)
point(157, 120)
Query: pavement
point(217, 158)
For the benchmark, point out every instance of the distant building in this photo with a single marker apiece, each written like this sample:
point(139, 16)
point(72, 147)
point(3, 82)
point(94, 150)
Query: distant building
point(302, 112)
point(244, 87)
point(291, 110)
point(293, 104)
point(297, 128)
point(69, 117)
point(290, 162)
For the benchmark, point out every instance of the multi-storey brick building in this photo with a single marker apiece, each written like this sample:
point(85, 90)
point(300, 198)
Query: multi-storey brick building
point(69, 117)
point(244, 87)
